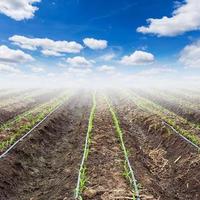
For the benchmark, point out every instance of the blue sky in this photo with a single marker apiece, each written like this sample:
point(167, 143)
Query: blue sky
point(110, 39)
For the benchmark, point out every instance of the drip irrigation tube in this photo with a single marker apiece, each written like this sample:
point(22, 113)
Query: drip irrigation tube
point(86, 149)
point(183, 137)
point(169, 126)
point(119, 131)
point(29, 132)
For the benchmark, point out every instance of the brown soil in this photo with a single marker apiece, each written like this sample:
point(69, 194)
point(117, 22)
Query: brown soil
point(164, 164)
point(191, 96)
point(105, 161)
point(44, 166)
point(11, 111)
point(189, 114)
point(184, 124)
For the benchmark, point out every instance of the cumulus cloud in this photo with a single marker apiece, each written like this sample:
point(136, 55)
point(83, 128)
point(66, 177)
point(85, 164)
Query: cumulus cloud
point(10, 59)
point(190, 55)
point(107, 69)
point(95, 44)
point(8, 55)
point(108, 56)
point(18, 9)
point(138, 58)
point(79, 61)
point(48, 47)
point(186, 17)
point(8, 69)
point(51, 53)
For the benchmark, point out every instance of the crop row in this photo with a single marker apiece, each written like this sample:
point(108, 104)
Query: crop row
point(15, 128)
point(187, 129)
point(9, 92)
point(128, 171)
point(27, 96)
point(191, 96)
point(178, 105)
point(174, 99)
point(82, 179)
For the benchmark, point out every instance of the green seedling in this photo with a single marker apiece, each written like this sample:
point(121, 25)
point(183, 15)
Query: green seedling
point(23, 123)
point(128, 171)
point(82, 177)
point(168, 116)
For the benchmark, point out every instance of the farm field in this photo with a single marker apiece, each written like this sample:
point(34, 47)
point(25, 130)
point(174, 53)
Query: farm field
point(184, 104)
point(99, 145)
point(14, 104)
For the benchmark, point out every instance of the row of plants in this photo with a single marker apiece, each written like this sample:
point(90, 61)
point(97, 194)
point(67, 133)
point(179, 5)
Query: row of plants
point(175, 99)
point(128, 171)
point(184, 127)
point(82, 176)
point(29, 96)
point(15, 128)
point(178, 105)
point(188, 95)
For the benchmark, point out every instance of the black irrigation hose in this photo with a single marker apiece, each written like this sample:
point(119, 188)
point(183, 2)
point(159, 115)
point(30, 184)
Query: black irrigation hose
point(183, 137)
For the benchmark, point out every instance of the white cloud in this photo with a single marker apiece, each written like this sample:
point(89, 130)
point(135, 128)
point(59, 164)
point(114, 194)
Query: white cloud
point(18, 9)
point(79, 61)
point(190, 55)
point(8, 55)
point(107, 69)
point(51, 53)
point(95, 44)
point(184, 18)
point(108, 56)
point(37, 69)
point(138, 58)
point(154, 72)
point(8, 69)
point(49, 47)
